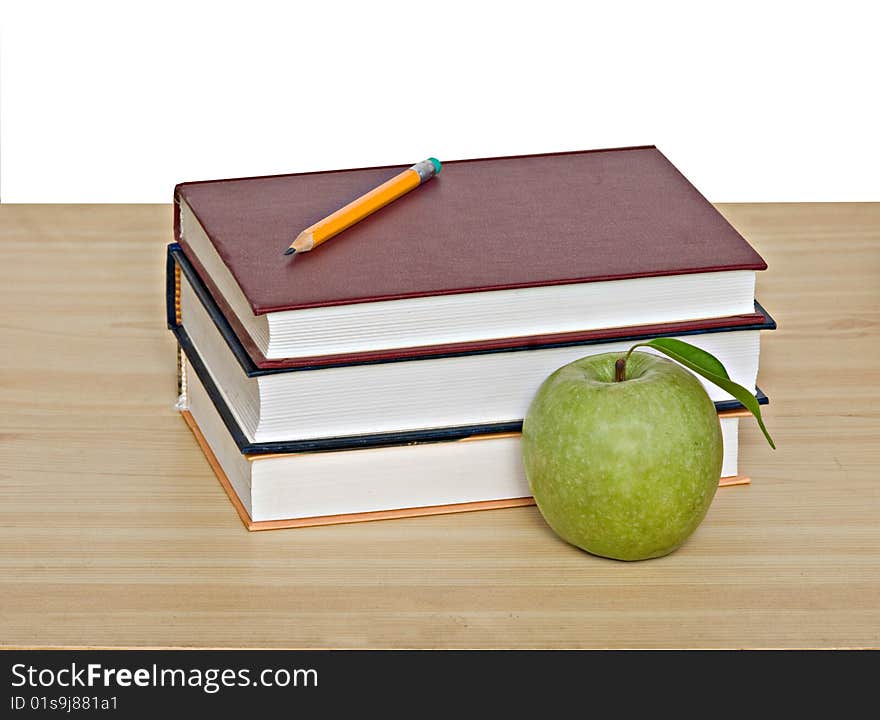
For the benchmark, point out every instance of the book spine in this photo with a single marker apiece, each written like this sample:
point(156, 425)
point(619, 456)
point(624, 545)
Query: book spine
point(173, 318)
point(182, 399)
point(172, 288)
point(177, 318)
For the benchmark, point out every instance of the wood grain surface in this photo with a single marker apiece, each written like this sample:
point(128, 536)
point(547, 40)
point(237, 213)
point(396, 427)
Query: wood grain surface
point(114, 531)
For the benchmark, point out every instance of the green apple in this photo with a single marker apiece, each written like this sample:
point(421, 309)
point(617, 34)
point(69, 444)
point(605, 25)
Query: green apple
point(623, 468)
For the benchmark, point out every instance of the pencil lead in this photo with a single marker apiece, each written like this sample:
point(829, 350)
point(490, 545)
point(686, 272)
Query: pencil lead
point(290, 251)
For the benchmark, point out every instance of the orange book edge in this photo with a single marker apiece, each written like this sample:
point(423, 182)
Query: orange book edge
point(364, 516)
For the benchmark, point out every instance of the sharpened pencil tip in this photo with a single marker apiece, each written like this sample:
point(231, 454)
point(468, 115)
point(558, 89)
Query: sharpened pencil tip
point(290, 251)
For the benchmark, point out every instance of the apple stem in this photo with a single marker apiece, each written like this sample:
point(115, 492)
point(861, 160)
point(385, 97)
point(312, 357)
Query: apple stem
point(620, 370)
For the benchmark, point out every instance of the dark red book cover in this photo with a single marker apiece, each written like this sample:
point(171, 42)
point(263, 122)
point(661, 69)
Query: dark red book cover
point(485, 224)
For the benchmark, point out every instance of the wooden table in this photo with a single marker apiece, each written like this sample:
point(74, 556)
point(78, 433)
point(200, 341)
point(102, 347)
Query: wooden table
point(114, 531)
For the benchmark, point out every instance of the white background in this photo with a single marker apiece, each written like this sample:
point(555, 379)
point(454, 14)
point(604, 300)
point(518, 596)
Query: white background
point(118, 101)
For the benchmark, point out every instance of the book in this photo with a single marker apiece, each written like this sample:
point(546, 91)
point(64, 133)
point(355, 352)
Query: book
point(493, 250)
point(189, 357)
point(468, 392)
point(297, 489)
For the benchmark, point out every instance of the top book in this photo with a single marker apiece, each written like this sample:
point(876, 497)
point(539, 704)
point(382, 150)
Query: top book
point(491, 248)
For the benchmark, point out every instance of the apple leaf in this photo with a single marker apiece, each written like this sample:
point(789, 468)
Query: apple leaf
point(709, 367)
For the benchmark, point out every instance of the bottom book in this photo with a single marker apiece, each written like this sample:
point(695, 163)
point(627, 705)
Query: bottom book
point(326, 488)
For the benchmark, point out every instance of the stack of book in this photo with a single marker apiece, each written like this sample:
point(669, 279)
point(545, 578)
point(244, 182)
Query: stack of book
point(388, 372)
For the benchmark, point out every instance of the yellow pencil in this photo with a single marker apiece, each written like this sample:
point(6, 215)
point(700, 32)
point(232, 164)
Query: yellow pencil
point(365, 205)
